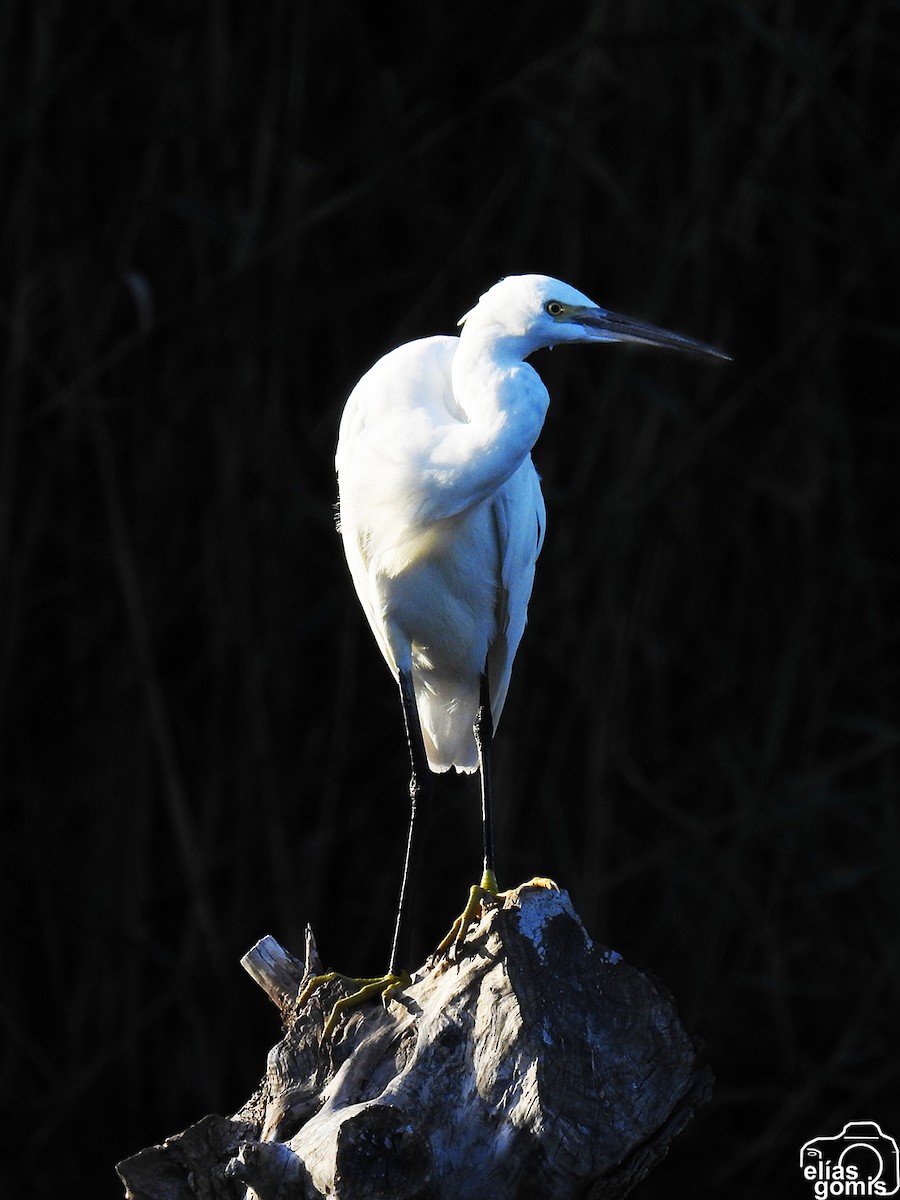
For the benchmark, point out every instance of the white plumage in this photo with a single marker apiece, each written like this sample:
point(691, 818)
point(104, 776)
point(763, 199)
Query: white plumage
point(441, 511)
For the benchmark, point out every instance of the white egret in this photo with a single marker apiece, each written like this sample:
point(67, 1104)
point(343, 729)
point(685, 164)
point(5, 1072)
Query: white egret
point(442, 521)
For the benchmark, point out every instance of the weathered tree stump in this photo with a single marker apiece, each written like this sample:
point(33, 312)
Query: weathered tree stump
point(527, 1063)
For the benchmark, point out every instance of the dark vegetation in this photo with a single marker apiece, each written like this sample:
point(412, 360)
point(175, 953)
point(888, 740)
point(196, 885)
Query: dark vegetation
point(215, 216)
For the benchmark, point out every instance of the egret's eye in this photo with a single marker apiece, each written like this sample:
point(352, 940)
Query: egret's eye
point(554, 308)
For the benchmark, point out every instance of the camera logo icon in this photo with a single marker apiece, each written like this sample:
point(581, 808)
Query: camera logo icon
point(861, 1160)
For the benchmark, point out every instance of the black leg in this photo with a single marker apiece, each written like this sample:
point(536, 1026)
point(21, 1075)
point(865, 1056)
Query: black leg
point(420, 783)
point(479, 894)
point(484, 734)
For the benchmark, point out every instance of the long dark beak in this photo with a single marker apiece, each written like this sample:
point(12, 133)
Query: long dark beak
point(613, 327)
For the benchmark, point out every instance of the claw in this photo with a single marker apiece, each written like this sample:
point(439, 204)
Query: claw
point(543, 882)
point(479, 895)
point(366, 989)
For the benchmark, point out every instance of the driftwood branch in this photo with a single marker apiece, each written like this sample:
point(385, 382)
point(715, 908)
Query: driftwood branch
point(528, 1063)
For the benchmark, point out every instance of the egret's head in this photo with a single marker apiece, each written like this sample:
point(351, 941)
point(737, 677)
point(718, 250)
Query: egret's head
point(541, 311)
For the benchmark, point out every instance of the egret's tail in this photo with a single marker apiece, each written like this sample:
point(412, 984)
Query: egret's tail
point(447, 716)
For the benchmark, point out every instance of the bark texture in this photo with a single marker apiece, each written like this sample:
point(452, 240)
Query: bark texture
point(526, 1063)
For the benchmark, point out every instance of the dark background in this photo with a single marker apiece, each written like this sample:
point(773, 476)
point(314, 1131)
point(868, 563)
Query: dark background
point(215, 216)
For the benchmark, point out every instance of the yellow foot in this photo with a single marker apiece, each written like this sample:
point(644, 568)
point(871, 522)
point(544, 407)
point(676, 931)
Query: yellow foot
point(480, 894)
point(542, 881)
point(366, 989)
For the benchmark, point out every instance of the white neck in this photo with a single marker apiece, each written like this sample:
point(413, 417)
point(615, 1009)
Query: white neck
point(491, 379)
point(505, 402)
